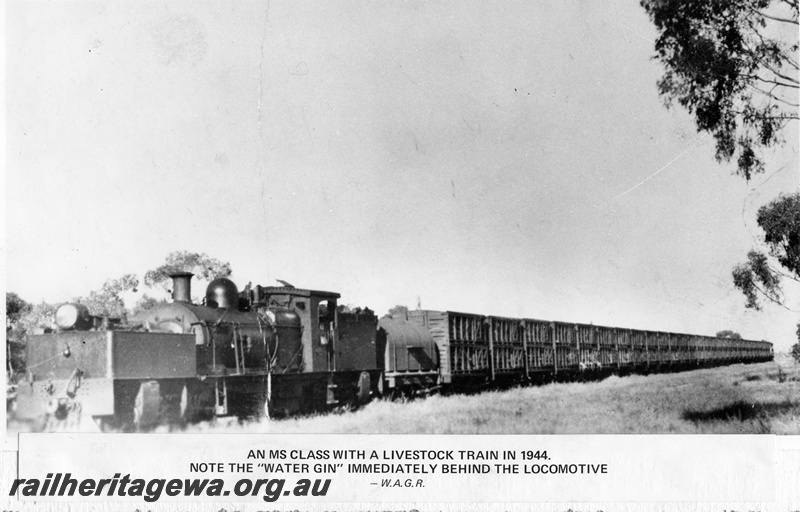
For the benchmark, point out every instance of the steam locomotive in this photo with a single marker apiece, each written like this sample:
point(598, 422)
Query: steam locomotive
point(283, 350)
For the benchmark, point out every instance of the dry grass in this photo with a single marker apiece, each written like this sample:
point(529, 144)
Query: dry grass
point(759, 398)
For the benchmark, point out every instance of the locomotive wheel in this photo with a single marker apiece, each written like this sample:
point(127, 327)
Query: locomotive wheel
point(147, 405)
point(364, 388)
point(379, 386)
point(174, 402)
point(144, 406)
point(125, 392)
point(105, 423)
point(197, 401)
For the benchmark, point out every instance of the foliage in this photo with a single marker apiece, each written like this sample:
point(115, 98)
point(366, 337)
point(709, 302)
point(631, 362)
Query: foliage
point(729, 334)
point(757, 278)
point(780, 221)
point(15, 307)
point(41, 316)
point(345, 308)
point(733, 65)
point(34, 319)
point(201, 265)
point(146, 303)
point(107, 300)
point(398, 310)
point(796, 347)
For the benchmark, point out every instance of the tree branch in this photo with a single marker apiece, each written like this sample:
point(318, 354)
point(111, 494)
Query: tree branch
point(785, 101)
point(770, 95)
point(787, 276)
point(793, 80)
point(788, 117)
point(791, 86)
point(758, 58)
point(777, 18)
point(785, 54)
point(775, 300)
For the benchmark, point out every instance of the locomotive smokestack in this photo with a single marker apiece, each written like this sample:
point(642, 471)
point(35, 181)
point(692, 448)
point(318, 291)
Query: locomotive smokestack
point(181, 286)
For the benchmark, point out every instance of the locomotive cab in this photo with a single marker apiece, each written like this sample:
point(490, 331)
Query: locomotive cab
point(333, 340)
point(316, 311)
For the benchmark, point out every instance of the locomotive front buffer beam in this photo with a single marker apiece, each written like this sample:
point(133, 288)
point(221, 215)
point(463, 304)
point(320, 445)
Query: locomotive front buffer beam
point(104, 374)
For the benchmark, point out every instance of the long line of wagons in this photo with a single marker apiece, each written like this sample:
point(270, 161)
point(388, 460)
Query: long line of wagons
point(283, 350)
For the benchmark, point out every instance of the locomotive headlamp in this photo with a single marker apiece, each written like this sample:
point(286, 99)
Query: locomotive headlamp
point(73, 316)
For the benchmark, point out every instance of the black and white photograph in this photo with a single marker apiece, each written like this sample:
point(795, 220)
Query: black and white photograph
point(283, 217)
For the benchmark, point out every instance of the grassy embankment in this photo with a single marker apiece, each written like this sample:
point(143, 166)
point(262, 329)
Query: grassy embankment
point(759, 398)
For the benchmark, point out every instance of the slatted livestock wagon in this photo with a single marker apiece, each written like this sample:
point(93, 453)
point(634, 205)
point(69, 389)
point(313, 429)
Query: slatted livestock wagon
point(476, 349)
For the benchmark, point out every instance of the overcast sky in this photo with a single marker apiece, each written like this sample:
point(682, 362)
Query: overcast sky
point(488, 157)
